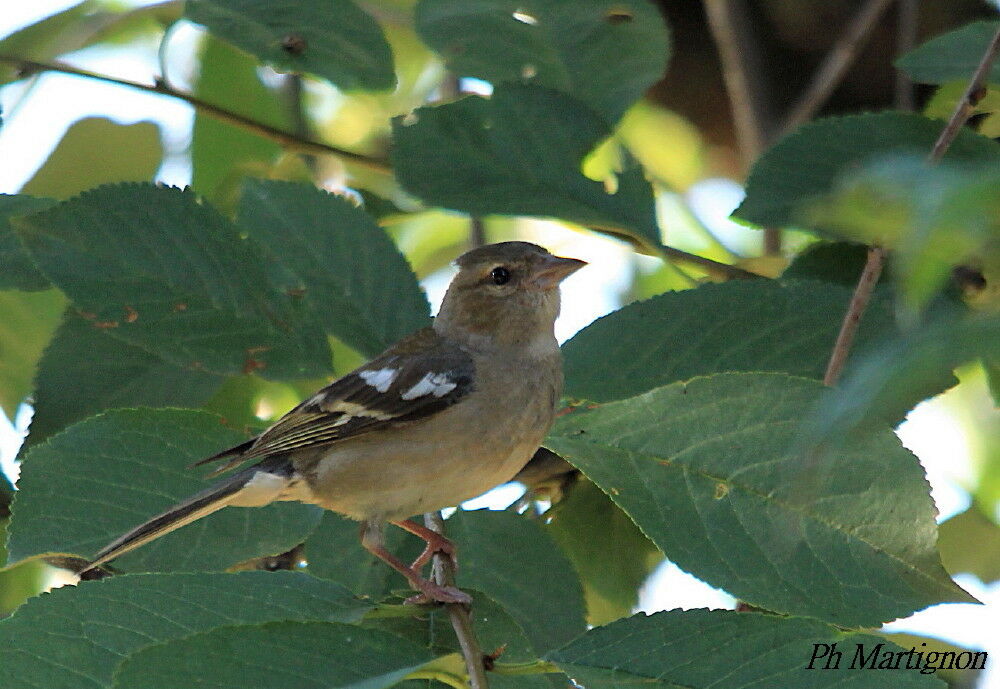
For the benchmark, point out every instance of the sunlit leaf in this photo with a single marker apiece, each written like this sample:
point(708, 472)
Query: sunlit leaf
point(28, 323)
point(94, 151)
point(970, 542)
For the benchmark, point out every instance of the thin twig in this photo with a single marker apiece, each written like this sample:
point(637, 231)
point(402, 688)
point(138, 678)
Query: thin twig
point(836, 63)
point(734, 42)
point(729, 26)
point(876, 255)
point(975, 92)
point(907, 16)
point(286, 139)
point(461, 620)
point(716, 269)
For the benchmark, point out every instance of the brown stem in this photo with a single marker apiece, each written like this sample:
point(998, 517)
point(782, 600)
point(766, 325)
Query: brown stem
point(907, 16)
point(461, 620)
point(855, 310)
point(876, 255)
point(286, 139)
point(731, 33)
point(724, 271)
point(836, 63)
point(975, 92)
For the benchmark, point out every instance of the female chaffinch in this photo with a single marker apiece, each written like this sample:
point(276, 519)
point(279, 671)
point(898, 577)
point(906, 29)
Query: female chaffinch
point(440, 417)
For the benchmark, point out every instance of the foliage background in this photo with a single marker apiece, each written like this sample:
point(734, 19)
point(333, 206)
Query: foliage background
point(682, 135)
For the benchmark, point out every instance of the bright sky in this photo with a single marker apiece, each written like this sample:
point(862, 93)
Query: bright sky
point(34, 122)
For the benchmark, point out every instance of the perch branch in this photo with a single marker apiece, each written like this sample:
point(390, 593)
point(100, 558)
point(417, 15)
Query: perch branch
point(287, 139)
point(461, 620)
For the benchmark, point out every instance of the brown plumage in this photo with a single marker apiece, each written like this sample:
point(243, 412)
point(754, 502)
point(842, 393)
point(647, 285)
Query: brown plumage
point(442, 416)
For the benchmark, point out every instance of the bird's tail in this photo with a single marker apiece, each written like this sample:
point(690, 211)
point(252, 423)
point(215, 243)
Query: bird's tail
point(255, 486)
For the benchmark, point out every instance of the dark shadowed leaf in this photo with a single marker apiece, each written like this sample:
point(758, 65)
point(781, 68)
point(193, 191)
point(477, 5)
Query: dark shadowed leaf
point(709, 470)
point(807, 162)
point(951, 56)
point(114, 471)
point(735, 650)
point(160, 270)
point(744, 325)
point(100, 623)
point(346, 267)
point(517, 564)
point(512, 154)
point(85, 371)
point(17, 270)
point(335, 40)
point(554, 43)
point(318, 655)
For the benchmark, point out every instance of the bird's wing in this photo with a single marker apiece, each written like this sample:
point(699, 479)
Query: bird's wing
point(419, 376)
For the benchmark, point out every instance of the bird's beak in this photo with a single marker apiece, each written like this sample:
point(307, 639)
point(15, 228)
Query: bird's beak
point(553, 270)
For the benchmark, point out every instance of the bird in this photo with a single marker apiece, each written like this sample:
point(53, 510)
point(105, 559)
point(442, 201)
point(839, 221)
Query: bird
point(442, 416)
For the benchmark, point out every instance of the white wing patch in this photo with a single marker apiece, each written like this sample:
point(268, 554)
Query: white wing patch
point(437, 384)
point(380, 379)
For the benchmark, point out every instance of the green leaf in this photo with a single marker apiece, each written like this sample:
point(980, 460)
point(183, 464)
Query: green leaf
point(94, 151)
point(708, 470)
point(28, 322)
point(518, 565)
point(933, 218)
point(610, 553)
point(17, 270)
point(838, 262)
point(348, 270)
point(807, 162)
point(554, 43)
point(100, 477)
point(744, 325)
point(334, 40)
point(513, 154)
point(221, 153)
point(951, 56)
point(884, 382)
point(161, 271)
point(100, 623)
point(85, 371)
point(731, 649)
point(970, 542)
point(312, 655)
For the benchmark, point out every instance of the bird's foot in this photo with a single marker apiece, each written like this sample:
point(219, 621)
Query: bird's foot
point(436, 544)
point(434, 593)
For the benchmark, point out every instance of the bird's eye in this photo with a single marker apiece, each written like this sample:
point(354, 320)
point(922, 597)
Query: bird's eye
point(500, 275)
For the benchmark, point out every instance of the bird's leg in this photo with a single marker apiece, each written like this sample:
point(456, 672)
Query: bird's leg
point(371, 540)
point(436, 543)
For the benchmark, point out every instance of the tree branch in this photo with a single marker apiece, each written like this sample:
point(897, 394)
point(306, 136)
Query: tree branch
point(724, 271)
point(288, 140)
point(876, 255)
point(836, 63)
point(731, 32)
point(461, 620)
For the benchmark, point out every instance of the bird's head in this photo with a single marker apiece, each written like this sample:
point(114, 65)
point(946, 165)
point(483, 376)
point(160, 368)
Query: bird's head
point(507, 292)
